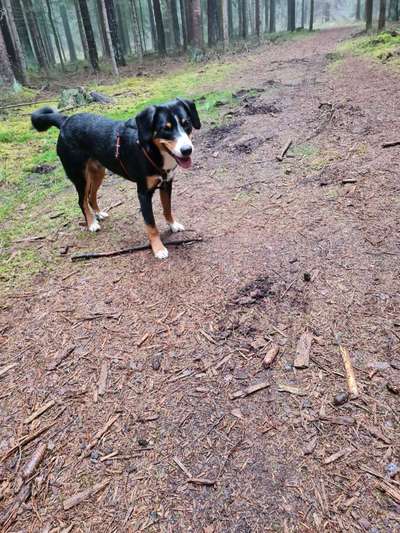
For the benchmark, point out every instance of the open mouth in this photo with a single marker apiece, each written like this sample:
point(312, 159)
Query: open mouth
point(184, 162)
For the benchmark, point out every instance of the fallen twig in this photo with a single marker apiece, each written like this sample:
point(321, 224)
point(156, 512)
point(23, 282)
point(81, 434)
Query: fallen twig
point(393, 492)
point(390, 144)
point(182, 467)
point(35, 460)
point(5, 369)
point(291, 389)
point(202, 481)
point(336, 456)
point(102, 383)
point(78, 498)
point(249, 390)
point(284, 150)
point(39, 412)
point(60, 358)
point(302, 358)
point(351, 379)
point(26, 440)
point(99, 434)
point(124, 251)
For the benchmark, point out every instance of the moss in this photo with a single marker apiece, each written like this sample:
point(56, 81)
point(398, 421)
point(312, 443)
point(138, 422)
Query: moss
point(380, 47)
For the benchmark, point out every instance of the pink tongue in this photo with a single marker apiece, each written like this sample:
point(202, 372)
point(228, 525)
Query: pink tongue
point(184, 163)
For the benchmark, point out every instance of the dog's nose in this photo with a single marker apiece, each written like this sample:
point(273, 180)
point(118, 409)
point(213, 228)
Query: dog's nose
point(186, 150)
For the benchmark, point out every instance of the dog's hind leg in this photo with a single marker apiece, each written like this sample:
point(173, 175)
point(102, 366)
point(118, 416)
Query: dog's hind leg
point(95, 175)
point(75, 165)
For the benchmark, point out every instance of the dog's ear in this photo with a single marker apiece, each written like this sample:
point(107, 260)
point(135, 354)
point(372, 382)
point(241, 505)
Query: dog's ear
point(130, 123)
point(145, 124)
point(190, 107)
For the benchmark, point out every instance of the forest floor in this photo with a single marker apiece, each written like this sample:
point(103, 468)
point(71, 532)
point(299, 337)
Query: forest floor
point(134, 364)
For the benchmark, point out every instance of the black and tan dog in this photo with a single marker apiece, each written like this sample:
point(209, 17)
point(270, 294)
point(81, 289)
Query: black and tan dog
point(145, 150)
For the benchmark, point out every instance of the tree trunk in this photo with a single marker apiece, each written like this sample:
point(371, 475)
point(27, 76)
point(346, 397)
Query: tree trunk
point(112, 21)
point(212, 22)
point(123, 30)
point(250, 18)
point(82, 33)
point(7, 79)
point(136, 32)
point(36, 37)
point(68, 34)
point(311, 24)
point(382, 15)
point(291, 5)
point(21, 73)
point(230, 20)
point(103, 34)
point(91, 43)
point(303, 14)
point(358, 10)
point(258, 19)
point(196, 34)
point(23, 32)
point(142, 33)
point(152, 24)
point(243, 21)
point(272, 16)
point(56, 39)
point(161, 47)
point(45, 32)
point(266, 15)
point(108, 37)
point(225, 23)
point(369, 4)
point(175, 23)
point(184, 24)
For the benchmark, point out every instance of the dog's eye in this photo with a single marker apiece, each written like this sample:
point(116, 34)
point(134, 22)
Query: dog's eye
point(168, 126)
point(185, 122)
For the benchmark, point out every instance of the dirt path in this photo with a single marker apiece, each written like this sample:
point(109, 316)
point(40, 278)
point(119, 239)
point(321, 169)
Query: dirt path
point(174, 340)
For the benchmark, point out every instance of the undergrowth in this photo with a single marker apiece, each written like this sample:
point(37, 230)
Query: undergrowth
point(384, 46)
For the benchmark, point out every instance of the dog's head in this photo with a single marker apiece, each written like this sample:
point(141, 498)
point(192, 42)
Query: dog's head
point(169, 127)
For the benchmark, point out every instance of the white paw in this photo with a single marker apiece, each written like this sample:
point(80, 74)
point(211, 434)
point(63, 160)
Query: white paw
point(100, 215)
point(161, 254)
point(94, 226)
point(176, 226)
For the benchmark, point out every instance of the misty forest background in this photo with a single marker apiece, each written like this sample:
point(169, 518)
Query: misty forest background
point(44, 38)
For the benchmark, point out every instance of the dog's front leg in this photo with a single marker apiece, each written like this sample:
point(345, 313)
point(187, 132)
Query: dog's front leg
point(165, 195)
point(145, 199)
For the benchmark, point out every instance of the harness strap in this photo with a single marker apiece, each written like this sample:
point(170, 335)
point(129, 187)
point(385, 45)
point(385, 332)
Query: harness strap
point(160, 171)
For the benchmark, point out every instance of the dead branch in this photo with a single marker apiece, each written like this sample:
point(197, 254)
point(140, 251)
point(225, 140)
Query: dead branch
point(393, 492)
point(78, 498)
point(60, 358)
point(39, 411)
point(351, 379)
point(249, 390)
point(124, 251)
point(102, 383)
point(202, 481)
point(99, 434)
point(5, 369)
point(26, 440)
point(284, 150)
point(390, 144)
point(337, 455)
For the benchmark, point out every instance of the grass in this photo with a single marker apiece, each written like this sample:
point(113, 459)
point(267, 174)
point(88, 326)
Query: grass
point(381, 47)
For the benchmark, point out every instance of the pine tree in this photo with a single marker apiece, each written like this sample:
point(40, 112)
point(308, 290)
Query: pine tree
point(91, 43)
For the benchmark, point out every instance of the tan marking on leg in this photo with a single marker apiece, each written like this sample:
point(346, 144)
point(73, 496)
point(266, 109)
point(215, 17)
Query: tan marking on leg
point(89, 216)
point(152, 182)
point(166, 205)
point(155, 241)
point(97, 173)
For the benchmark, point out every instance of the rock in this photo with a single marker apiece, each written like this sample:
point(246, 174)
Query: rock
point(307, 276)
point(392, 469)
point(393, 387)
point(143, 442)
point(341, 398)
point(156, 362)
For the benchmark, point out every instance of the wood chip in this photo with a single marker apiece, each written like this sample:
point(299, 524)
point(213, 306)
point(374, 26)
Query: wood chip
point(102, 383)
point(78, 498)
point(339, 420)
point(351, 379)
point(6, 369)
point(60, 358)
point(291, 389)
point(377, 433)
point(391, 491)
point(39, 411)
point(250, 390)
point(26, 440)
point(202, 481)
point(270, 356)
point(284, 150)
point(302, 358)
point(35, 460)
point(335, 456)
point(182, 467)
point(310, 446)
point(143, 339)
point(99, 434)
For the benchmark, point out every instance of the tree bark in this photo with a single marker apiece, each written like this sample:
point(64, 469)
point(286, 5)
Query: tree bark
point(55, 35)
point(152, 24)
point(68, 34)
point(257, 19)
point(161, 47)
point(36, 37)
point(87, 25)
point(85, 46)
point(175, 23)
point(266, 15)
point(112, 21)
point(369, 4)
point(358, 10)
point(23, 32)
point(311, 24)
point(108, 37)
point(184, 24)
point(272, 16)
point(230, 20)
point(19, 53)
point(243, 20)
point(123, 30)
point(382, 15)
point(7, 79)
point(303, 13)
point(140, 18)
point(212, 22)
point(225, 23)
point(291, 6)
point(196, 34)
point(136, 32)
point(103, 35)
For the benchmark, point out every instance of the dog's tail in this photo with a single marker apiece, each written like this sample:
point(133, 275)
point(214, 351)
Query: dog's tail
point(46, 117)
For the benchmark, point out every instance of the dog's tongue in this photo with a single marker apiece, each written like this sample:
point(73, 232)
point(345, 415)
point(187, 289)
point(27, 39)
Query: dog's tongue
point(184, 162)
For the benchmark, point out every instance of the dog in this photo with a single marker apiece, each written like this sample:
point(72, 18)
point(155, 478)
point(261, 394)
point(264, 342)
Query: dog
point(146, 150)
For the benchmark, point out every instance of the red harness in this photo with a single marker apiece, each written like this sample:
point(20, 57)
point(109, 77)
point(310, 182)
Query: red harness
point(160, 171)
